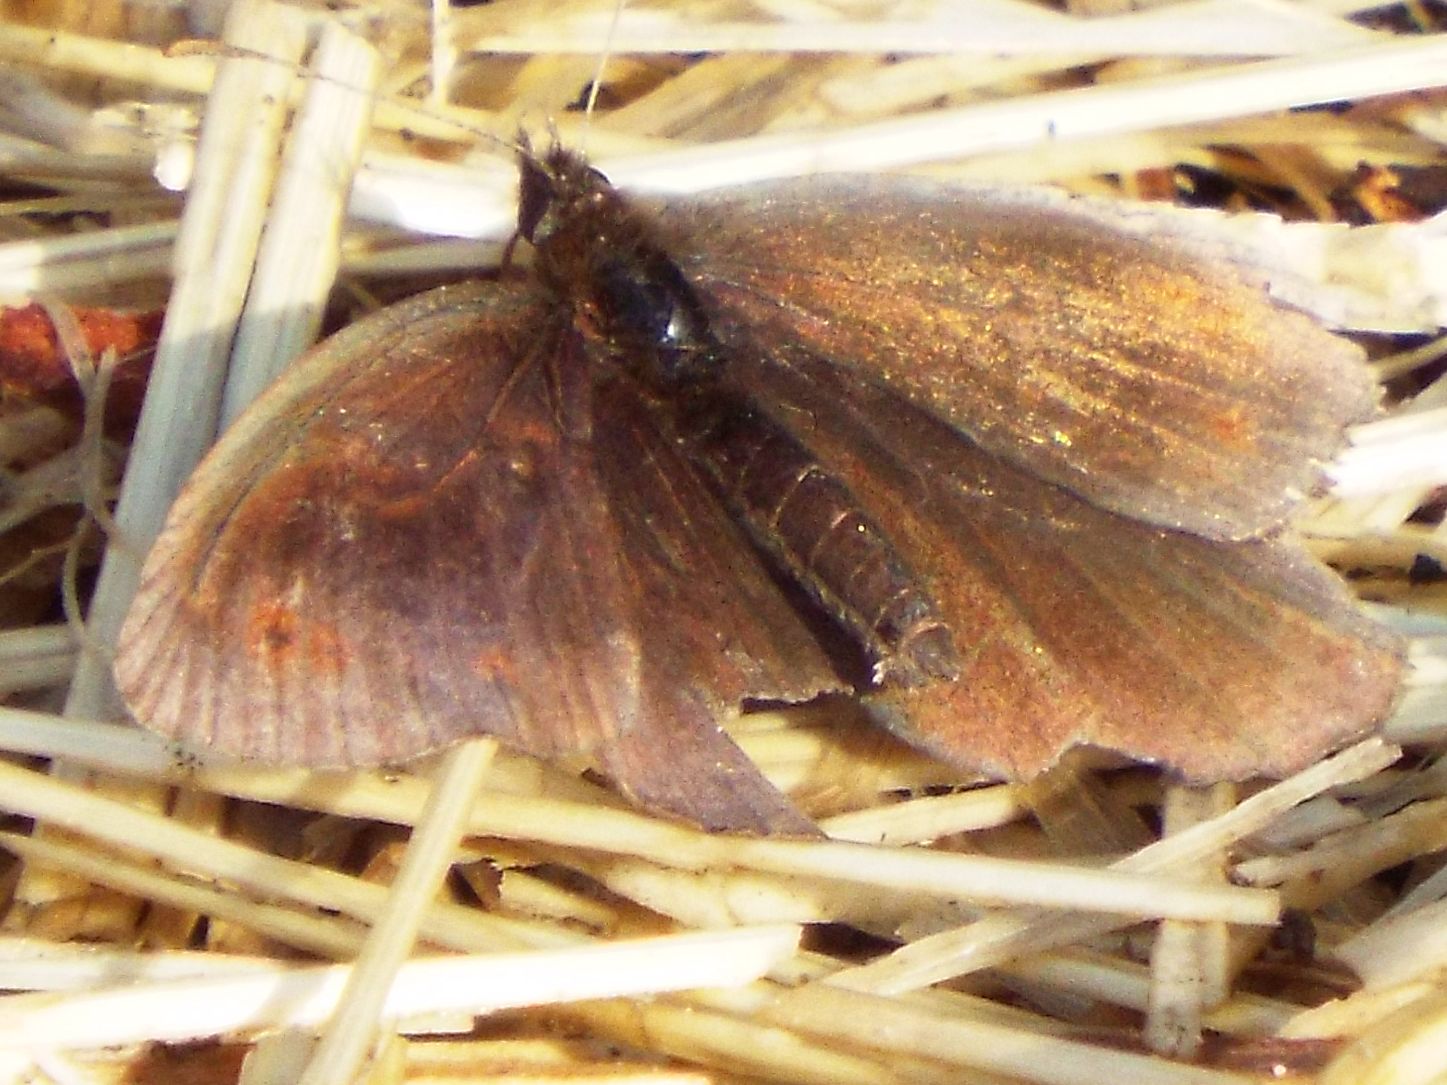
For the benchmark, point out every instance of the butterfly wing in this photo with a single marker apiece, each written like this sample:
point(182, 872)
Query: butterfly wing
point(1150, 382)
point(439, 524)
point(1081, 627)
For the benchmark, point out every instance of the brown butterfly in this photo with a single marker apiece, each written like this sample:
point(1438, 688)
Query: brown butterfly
point(1015, 477)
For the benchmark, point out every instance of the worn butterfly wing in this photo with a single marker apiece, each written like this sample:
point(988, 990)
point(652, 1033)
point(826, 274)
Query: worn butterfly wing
point(1153, 384)
point(441, 524)
point(1077, 626)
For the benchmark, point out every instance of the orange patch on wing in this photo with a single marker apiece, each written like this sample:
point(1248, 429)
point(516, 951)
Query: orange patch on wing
point(494, 664)
point(272, 630)
point(325, 649)
point(1229, 426)
point(276, 633)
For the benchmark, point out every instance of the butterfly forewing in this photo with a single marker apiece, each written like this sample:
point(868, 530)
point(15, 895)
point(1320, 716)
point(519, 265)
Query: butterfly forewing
point(1152, 383)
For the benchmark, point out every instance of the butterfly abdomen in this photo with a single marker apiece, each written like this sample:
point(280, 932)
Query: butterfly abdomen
point(812, 523)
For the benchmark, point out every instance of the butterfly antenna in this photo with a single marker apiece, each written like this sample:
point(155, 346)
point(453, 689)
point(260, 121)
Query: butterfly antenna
point(603, 59)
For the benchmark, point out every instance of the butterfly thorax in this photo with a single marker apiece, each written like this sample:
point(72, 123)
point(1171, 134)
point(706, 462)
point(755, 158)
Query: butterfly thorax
point(628, 297)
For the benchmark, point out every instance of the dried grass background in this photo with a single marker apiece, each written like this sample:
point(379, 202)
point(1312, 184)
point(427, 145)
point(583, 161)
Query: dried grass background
point(1097, 927)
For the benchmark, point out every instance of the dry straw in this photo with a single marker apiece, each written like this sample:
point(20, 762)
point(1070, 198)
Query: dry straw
point(1028, 947)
